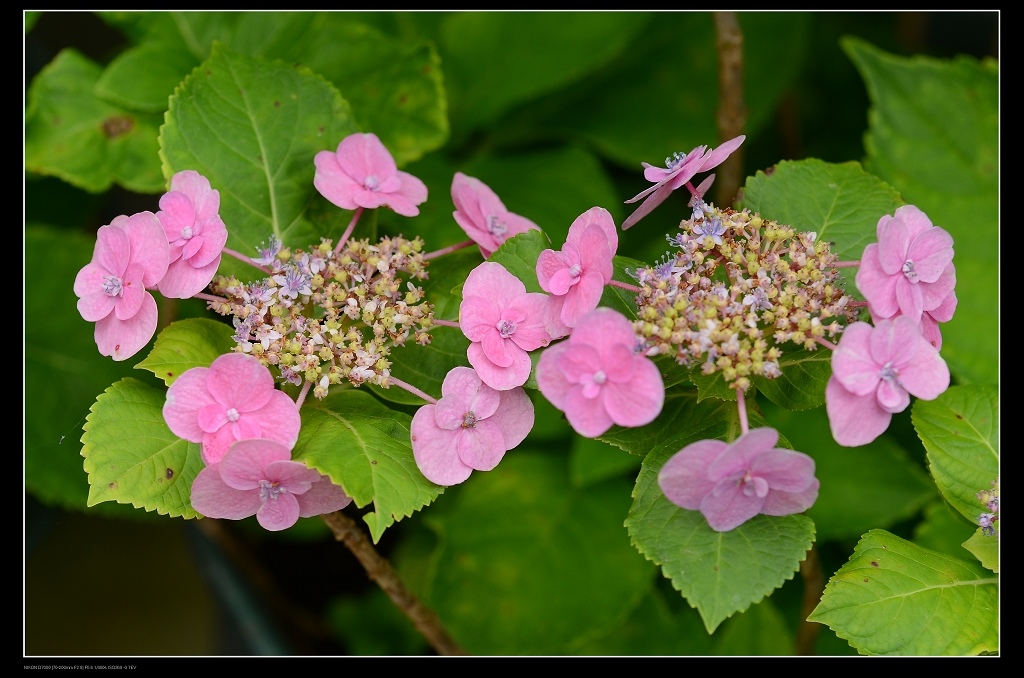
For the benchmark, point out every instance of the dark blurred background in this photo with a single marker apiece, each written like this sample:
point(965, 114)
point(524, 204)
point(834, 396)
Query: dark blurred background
point(234, 589)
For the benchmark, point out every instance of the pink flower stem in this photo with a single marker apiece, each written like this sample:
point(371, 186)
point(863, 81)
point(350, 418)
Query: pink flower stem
point(348, 231)
point(302, 393)
point(411, 389)
point(447, 250)
point(209, 297)
point(248, 260)
point(625, 286)
point(846, 264)
point(742, 403)
point(444, 323)
point(857, 304)
point(826, 343)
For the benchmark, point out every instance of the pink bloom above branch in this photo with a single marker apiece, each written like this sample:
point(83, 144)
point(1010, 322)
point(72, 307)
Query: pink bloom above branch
point(730, 483)
point(232, 399)
point(195, 232)
point(910, 269)
point(875, 370)
point(362, 173)
point(257, 477)
point(678, 171)
point(131, 254)
point(482, 215)
point(504, 322)
point(597, 380)
point(575, 277)
point(469, 429)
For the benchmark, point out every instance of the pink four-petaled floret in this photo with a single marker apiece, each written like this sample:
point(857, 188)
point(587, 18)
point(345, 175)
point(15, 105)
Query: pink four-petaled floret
point(483, 216)
point(195, 232)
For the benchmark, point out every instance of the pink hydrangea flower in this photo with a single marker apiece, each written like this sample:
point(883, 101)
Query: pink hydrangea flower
point(361, 173)
point(875, 370)
point(678, 170)
point(469, 429)
point(190, 219)
point(910, 269)
point(597, 380)
point(131, 254)
point(232, 399)
point(257, 477)
point(575, 276)
point(503, 321)
point(730, 483)
point(482, 215)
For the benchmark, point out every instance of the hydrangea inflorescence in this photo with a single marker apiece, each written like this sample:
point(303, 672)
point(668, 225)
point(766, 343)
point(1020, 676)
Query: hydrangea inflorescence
point(737, 287)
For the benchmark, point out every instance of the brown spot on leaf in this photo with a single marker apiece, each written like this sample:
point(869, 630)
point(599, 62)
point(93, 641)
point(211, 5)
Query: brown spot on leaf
point(277, 104)
point(874, 563)
point(112, 486)
point(402, 99)
point(865, 580)
point(170, 473)
point(117, 125)
point(373, 461)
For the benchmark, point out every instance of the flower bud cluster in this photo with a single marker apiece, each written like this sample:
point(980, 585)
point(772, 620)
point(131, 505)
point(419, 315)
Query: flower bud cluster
point(736, 288)
point(323, 316)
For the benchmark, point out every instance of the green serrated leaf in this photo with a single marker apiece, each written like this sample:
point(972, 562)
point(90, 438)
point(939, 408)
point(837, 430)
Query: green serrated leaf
point(132, 457)
point(528, 564)
point(895, 598)
point(365, 448)
point(252, 128)
point(184, 344)
point(519, 256)
point(143, 78)
point(592, 460)
point(934, 135)
point(72, 134)
point(960, 432)
point(985, 548)
point(802, 383)
point(719, 573)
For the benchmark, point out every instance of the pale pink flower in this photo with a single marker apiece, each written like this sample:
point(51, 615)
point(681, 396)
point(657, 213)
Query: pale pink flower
point(482, 215)
point(730, 483)
point(929, 325)
point(257, 477)
point(678, 171)
point(469, 429)
point(503, 321)
point(190, 219)
point(910, 269)
point(361, 173)
point(875, 370)
point(597, 380)
point(575, 277)
point(131, 254)
point(232, 399)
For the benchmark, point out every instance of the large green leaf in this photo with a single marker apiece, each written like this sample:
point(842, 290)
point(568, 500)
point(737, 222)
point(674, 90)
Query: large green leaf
point(934, 135)
point(519, 256)
point(875, 485)
point(960, 431)
point(985, 548)
point(365, 447)
point(252, 128)
point(802, 383)
point(528, 564)
point(143, 78)
point(895, 598)
point(131, 455)
point(182, 345)
point(719, 573)
point(72, 134)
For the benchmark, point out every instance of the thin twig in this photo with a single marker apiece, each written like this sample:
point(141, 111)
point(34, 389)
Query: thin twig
point(814, 585)
point(379, 570)
point(732, 111)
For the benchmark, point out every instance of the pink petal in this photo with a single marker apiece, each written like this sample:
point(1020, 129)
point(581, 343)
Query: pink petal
point(186, 397)
point(363, 155)
point(133, 293)
point(492, 281)
point(121, 339)
point(184, 280)
point(211, 497)
point(474, 201)
point(931, 252)
point(214, 238)
point(938, 293)
point(212, 417)
point(240, 381)
point(205, 200)
point(604, 328)
point(551, 380)
point(893, 243)
point(684, 477)
point(113, 249)
point(648, 205)
point(943, 313)
point(481, 447)
point(323, 497)
point(741, 453)
point(781, 503)
point(595, 216)
point(578, 362)
point(587, 416)
point(150, 248)
point(464, 386)
point(916, 221)
point(279, 419)
point(892, 397)
point(246, 461)
point(514, 416)
point(785, 470)
point(926, 376)
point(877, 286)
point(435, 450)
point(501, 352)
point(412, 192)
point(333, 183)
point(853, 363)
point(553, 317)
point(726, 507)
point(497, 377)
point(639, 401)
point(280, 513)
point(531, 332)
point(516, 224)
point(909, 298)
point(293, 476)
point(478, 316)
point(582, 298)
point(718, 156)
point(216, 444)
point(620, 363)
point(596, 253)
point(854, 420)
point(176, 213)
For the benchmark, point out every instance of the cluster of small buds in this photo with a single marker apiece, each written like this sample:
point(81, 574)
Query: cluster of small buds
point(988, 521)
point(736, 288)
point(323, 316)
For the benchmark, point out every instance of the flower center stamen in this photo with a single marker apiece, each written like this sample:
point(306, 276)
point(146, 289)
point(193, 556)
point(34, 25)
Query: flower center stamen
point(186, 232)
point(575, 270)
point(908, 270)
point(469, 420)
point(506, 328)
point(889, 373)
point(269, 490)
point(233, 414)
point(112, 285)
point(371, 183)
point(496, 226)
point(600, 377)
